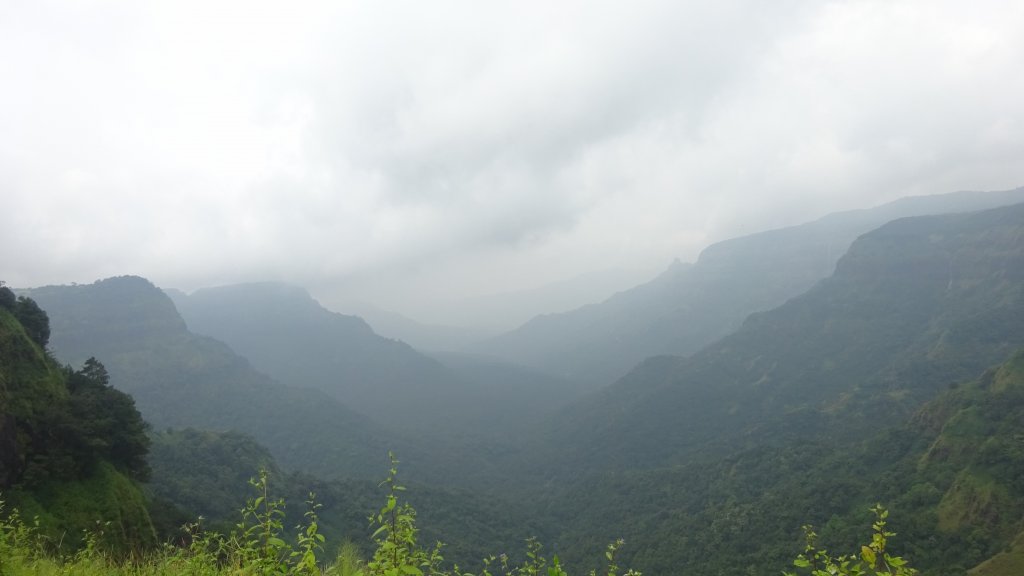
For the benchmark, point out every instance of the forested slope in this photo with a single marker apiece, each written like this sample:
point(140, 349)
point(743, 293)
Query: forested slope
point(949, 473)
point(817, 409)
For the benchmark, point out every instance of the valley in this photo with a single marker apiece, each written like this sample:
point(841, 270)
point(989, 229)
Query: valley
point(795, 376)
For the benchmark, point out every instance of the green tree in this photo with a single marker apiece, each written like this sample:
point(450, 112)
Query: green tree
point(872, 560)
point(33, 319)
point(107, 420)
point(7, 298)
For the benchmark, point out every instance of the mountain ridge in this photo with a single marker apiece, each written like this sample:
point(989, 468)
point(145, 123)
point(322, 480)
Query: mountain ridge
point(180, 379)
point(858, 328)
point(688, 307)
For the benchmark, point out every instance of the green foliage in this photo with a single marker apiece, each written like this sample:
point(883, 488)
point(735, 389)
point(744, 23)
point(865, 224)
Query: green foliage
point(32, 396)
point(34, 320)
point(67, 509)
point(85, 423)
point(106, 420)
point(1009, 562)
point(258, 545)
point(70, 445)
point(203, 472)
point(950, 472)
point(872, 560)
point(19, 542)
point(397, 551)
point(349, 561)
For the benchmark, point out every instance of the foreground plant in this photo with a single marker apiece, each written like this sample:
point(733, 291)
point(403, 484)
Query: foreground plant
point(257, 546)
point(873, 559)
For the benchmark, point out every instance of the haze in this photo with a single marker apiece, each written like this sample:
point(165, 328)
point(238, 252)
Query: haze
point(415, 154)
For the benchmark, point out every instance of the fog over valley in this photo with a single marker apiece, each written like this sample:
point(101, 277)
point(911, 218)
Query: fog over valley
point(465, 288)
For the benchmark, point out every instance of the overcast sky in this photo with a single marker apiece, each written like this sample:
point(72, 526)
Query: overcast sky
point(413, 150)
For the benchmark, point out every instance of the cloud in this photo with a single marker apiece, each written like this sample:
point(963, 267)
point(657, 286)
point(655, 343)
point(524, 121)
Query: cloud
point(449, 146)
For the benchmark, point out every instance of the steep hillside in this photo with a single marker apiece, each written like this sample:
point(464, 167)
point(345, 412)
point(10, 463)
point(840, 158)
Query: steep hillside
point(73, 448)
point(688, 307)
point(29, 383)
point(180, 379)
point(967, 483)
point(1007, 563)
